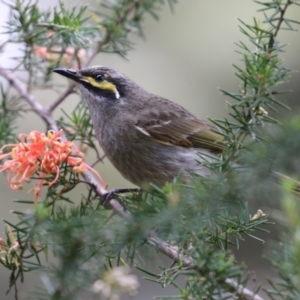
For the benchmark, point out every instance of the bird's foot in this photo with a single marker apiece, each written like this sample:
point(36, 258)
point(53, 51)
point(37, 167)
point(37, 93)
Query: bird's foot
point(113, 193)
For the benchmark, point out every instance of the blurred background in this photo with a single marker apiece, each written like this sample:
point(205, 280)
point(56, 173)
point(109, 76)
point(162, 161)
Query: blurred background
point(185, 57)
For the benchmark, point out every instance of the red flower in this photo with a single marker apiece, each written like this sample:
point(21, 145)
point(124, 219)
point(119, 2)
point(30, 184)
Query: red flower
point(41, 154)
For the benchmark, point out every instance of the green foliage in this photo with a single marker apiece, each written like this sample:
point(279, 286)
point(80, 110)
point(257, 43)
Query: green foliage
point(118, 26)
point(201, 222)
point(219, 264)
point(10, 109)
point(261, 73)
point(78, 127)
point(286, 256)
point(23, 16)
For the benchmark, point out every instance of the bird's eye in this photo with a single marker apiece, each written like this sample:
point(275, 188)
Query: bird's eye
point(99, 77)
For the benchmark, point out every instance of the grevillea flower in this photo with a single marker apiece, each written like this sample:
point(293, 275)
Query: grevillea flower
point(41, 154)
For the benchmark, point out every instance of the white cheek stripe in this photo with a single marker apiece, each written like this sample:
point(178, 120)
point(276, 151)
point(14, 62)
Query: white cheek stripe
point(117, 94)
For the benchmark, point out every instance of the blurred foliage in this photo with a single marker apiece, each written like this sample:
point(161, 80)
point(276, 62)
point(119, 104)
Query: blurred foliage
point(10, 109)
point(199, 221)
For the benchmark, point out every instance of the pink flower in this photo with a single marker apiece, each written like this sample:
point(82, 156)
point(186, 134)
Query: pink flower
point(42, 154)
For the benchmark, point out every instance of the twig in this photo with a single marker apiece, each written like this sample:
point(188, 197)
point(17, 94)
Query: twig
point(152, 238)
point(21, 88)
point(70, 90)
point(187, 261)
point(281, 18)
point(98, 160)
point(242, 291)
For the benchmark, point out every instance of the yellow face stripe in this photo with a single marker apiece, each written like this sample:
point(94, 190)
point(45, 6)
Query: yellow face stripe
point(103, 85)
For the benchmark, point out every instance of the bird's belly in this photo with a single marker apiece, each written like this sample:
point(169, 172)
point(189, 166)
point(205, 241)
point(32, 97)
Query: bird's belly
point(143, 164)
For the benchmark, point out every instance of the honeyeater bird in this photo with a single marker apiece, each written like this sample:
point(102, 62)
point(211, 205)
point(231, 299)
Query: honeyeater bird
point(148, 138)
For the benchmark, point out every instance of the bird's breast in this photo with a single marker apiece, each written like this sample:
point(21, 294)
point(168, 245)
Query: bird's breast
point(142, 160)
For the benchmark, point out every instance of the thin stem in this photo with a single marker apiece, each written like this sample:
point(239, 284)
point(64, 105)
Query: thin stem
point(282, 12)
point(70, 90)
point(99, 158)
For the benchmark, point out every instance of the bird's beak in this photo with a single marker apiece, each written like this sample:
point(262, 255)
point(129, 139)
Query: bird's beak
point(71, 74)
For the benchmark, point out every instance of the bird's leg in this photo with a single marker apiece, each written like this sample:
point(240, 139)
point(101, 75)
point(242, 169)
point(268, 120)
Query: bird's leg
point(112, 193)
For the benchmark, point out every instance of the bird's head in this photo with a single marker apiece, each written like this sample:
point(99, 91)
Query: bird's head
point(101, 84)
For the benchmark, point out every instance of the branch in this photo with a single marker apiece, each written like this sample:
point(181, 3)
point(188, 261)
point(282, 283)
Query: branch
point(188, 262)
point(243, 292)
point(281, 18)
point(21, 88)
point(70, 90)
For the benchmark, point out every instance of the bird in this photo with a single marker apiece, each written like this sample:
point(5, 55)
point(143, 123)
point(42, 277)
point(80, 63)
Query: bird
point(149, 139)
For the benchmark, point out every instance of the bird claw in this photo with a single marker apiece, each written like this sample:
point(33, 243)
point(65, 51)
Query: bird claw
point(113, 193)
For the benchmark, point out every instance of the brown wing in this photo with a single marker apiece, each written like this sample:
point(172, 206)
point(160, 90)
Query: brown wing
point(186, 132)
